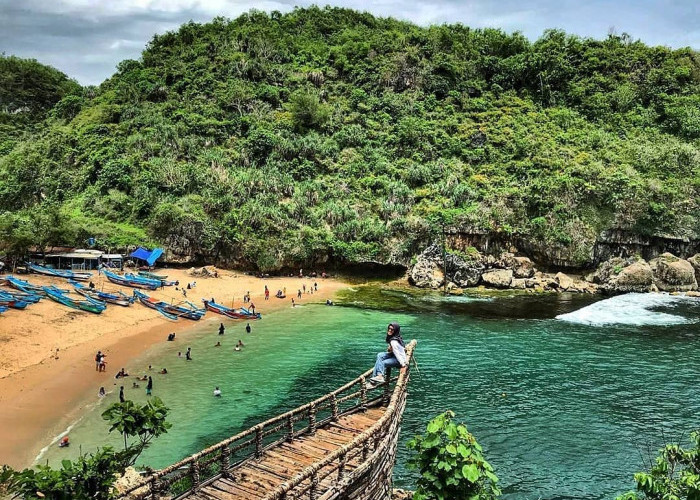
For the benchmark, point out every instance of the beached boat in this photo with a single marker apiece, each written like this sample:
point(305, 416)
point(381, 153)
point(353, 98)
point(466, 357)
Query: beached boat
point(30, 288)
point(126, 281)
point(58, 273)
point(240, 313)
point(161, 282)
point(3, 309)
point(153, 276)
point(90, 305)
point(10, 301)
point(113, 297)
point(31, 298)
point(176, 310)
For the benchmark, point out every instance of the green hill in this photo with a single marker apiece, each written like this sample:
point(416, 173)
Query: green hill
point(327, 134)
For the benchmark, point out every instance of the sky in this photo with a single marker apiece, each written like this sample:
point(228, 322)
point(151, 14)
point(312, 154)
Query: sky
point(86, 39)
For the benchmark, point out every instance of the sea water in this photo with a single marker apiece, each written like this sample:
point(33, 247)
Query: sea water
point(569, 394)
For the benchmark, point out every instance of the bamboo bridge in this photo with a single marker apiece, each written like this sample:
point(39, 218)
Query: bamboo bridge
point(340, 446)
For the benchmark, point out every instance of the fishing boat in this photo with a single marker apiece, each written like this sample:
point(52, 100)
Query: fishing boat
point(58, 273)
point(161, 282)
point(126, 281)
point(30, 288)
point(30, 298)
point(9, 301)
point(90, 305)
point(177, 310)
point(153, 276)
point(240, 313)
point(113, 297)
point(3, 309)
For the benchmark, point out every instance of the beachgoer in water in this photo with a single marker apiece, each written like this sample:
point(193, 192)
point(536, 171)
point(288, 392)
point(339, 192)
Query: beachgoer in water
point(394, 356)
point(144, 378)
point(149, 386)
point(121, 394)
point(171, 337)
point(121, 374)
point(150, 368)
point(164, 371)
point(135, 385)
point(236, 348)
point(102, 392)
point(64, 442)
point(329, 302)
point(240, 343)
point(188, 354)
point(217, 392)
point(179, 354)
point(221, 329)
point(218, 344)
point(247, 328)
point(294, 304)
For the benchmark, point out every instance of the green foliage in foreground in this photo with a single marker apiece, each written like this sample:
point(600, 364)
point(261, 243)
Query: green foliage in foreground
point(675, 474)
point(451, 463)
point(283, 139)
point(91, 476)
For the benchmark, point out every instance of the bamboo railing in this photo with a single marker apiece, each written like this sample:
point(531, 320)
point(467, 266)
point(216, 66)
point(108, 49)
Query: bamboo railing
point(188, 475)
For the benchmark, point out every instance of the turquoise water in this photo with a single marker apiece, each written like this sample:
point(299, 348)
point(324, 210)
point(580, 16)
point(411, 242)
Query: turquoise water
point(565, 407)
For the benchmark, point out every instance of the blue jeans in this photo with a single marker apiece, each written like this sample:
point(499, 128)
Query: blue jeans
point(384, 360)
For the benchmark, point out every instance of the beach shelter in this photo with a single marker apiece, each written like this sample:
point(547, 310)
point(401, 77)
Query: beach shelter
point(149, 256)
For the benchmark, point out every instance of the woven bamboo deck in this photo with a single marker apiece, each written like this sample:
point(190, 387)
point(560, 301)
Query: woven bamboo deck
point(281, 463)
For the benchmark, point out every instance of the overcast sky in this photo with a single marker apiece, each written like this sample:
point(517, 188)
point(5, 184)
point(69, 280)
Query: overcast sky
point(87, 38)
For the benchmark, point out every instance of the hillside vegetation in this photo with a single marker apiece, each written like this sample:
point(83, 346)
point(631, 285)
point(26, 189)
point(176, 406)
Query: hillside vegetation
point(288, 139)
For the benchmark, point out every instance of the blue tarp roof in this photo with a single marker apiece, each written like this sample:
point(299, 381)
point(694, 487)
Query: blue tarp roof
point(150, 257)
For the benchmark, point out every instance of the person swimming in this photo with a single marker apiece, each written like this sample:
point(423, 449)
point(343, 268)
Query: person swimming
point(218, 344)
point(64, 442)
point(217, 392)
point(164, 371)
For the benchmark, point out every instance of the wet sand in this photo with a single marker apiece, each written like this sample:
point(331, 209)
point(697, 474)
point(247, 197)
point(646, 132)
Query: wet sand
point(42, 390)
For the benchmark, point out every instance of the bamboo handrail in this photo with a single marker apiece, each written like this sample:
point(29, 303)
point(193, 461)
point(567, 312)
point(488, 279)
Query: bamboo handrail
point(281, 422)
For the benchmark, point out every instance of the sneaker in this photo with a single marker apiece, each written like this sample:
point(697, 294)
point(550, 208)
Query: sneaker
point(379, 379)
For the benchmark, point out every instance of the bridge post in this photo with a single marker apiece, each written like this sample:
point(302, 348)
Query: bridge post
point(334, 407)
point(387, 387)
point(313, 489)
point(341, 466)
point(225, 461)
point(195, 473)
point(258, 441)
point(290, 428)
point(363, 394)
point(155, 488)
point(312, 418)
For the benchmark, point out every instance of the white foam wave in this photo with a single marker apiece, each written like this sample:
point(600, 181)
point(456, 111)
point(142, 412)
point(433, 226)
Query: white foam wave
point(636, 309)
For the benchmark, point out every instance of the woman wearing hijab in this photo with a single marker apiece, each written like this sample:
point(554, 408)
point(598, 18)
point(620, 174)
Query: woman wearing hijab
point(395, 354)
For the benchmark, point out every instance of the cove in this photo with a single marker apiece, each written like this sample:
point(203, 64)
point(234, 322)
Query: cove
point(566, 392)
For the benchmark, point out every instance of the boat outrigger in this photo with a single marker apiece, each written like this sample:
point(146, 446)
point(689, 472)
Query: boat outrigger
point(240, 313)
point(90, 305)
point(58, 273)
point(171, 311)
point(113, 297)
point(29, 288)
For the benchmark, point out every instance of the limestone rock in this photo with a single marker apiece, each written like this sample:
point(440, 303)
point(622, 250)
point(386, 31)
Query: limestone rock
point(695, 262)
point(518, 283)
point(497, 278)
point(426, 274)
point(672, 274)
point(522, 267)
point(564, 281)
point(623, 276)
point(692, 294)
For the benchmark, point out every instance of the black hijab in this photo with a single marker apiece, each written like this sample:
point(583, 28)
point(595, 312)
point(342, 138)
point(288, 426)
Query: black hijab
point(396, 335)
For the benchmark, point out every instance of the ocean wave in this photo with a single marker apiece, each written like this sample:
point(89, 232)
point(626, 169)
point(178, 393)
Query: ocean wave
point(635, 309)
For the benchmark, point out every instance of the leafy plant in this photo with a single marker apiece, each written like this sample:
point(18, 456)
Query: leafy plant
point(451, 463)
point(675, 474)
point(142, 422)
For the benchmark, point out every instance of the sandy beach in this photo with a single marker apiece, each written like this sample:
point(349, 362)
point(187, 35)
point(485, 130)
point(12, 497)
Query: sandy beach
point(47, 369)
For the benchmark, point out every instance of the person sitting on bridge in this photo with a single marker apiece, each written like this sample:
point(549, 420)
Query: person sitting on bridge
point(395, 354)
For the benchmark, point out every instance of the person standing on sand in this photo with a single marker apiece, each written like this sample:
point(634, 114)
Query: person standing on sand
point(149, 386)
point(294, 304)
point(221, 329)
point(102, 392)
point(247, 328)
point(298, 294)
point(103, 363)
point(121, 394)
point(188, 354)
point(315, 287)
point(252, 307)
point(98, 358)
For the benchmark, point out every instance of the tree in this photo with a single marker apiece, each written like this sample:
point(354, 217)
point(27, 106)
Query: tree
point(675, 474)
point(451, 463)
point(144, 423)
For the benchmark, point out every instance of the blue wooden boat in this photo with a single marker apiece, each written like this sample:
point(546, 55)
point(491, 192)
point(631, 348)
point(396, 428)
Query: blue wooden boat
point(3, 309)
point(113, 297)
point(30, 288)
point(240, 313)
point(30, 298)
point(178, 311)
point(90, 305)
point(125, 281)
point(10, 301)
point(58, 273)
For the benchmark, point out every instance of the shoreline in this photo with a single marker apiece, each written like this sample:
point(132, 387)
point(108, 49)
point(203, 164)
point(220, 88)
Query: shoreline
point(40, 396)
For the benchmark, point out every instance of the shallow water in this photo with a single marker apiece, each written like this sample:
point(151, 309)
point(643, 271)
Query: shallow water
point(565, 408)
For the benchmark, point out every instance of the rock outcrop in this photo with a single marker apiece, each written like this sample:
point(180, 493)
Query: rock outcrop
point(618, 275)
point(563, 281)
point(522, 267)
point(498, 278)
point(427, 272)
point(672, 274)
point(695, 262)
